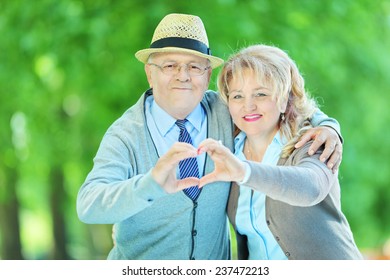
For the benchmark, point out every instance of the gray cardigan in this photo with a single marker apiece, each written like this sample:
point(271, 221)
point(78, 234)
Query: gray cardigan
point(303, 208)
point(149, 223)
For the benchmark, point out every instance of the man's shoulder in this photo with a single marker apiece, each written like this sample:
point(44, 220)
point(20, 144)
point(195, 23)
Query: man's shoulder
point(211, 95)
point(132, 116)
point(213, 98)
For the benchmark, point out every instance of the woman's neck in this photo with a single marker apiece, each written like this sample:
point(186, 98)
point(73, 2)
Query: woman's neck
point(256, 145)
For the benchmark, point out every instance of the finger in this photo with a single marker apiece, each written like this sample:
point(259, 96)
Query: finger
point(171, 161)
point(328, 151)
point(207, 179)
point(180, 152)
point(335, 160)
point(217, 151)
point(310, 134)
point(317, 143)
point(210, 145)
point(182, 146)
point(187, 182)
point(172, 158)
point(336, 166)
point(209, 141)
point(179, 156)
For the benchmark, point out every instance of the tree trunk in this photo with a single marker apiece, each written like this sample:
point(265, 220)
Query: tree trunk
point(58, 202)
point(11, 248)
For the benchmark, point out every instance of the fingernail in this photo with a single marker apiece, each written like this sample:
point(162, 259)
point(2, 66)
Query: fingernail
point(322, 159)
point(330, 165)
point(311, 152)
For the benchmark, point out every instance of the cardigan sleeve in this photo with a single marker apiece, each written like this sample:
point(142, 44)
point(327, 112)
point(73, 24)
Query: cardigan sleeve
point(303, 180)
point(112, 191)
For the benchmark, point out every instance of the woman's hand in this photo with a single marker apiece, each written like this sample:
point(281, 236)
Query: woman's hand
point(227, 166)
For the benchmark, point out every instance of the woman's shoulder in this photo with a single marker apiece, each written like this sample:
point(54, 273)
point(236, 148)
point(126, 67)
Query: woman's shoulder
point(302, 153)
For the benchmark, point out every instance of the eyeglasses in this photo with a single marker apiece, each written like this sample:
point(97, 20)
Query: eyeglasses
point(174, 68)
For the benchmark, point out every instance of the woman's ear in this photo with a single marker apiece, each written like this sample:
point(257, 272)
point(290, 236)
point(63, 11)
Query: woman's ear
point(283, 105)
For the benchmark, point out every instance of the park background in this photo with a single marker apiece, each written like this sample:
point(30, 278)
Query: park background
point(67, 71)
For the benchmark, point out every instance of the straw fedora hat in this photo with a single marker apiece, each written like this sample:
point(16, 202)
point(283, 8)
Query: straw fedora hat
point(180, 33)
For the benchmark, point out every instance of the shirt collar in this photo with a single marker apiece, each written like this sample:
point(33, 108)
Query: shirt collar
point(195, 117)
point(278, 139)
point(240, 138)
point(167, 122)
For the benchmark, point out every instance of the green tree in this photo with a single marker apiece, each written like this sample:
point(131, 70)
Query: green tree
point(67, 71)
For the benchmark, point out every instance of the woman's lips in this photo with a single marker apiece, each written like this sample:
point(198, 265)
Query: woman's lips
point(252, 118)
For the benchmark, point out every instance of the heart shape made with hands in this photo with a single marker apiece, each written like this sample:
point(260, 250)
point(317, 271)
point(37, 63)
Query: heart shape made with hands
point(227, 167)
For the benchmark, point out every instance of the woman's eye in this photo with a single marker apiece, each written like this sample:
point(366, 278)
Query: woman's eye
point(259, 94)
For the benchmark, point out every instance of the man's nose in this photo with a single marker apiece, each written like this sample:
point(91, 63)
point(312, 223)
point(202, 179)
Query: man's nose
point(182, 72)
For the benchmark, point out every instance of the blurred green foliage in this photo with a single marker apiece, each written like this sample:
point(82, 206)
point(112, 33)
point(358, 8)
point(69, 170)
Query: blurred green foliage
point(67, 71)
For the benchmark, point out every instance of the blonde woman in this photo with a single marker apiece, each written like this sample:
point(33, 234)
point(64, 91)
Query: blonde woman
point(285, 203)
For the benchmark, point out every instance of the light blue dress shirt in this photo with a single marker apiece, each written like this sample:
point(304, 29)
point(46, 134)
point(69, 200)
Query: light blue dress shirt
point(165, 132)
point(250, 219)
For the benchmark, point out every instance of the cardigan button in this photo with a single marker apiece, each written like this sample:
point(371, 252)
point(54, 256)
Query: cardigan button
point(194, 232)
point(268, 222)
point(287, 254)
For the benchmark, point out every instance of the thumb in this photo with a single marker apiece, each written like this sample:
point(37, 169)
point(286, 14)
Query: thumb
point(187, 182)
point(207, 179)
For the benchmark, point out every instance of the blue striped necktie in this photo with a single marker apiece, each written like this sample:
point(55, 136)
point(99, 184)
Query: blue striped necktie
point(188, 167)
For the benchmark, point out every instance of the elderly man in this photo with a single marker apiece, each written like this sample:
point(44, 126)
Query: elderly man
point(144, 172)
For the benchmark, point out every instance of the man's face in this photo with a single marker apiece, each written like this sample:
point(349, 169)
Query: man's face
point(179, 92)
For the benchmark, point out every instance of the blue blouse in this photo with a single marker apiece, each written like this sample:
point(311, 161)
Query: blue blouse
point(250, 219)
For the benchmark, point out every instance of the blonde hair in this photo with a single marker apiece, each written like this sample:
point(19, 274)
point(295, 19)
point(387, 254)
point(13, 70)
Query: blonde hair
point(274, 68)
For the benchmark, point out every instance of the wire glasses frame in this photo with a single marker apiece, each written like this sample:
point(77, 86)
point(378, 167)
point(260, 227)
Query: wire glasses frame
point(174, 68)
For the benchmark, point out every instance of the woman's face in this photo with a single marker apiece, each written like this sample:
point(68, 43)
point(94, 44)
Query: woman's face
point(252, 106)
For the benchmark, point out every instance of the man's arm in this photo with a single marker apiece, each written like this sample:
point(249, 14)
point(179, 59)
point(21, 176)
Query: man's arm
point(112, 191)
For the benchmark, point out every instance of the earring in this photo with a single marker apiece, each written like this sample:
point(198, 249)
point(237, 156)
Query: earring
point(282, 117)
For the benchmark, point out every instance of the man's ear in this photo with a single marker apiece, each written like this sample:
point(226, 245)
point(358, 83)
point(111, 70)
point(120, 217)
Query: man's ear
point(148, 75)
point(209, 72)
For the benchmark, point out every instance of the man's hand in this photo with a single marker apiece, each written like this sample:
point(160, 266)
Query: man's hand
point(164, 172)
point(333, 146)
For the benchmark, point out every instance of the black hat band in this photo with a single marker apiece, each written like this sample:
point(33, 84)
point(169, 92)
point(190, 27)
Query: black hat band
point(179, 42)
